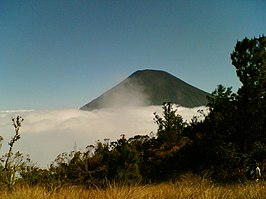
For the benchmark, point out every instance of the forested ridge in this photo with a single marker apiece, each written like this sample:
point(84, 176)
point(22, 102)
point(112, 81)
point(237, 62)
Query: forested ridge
point(220, 144)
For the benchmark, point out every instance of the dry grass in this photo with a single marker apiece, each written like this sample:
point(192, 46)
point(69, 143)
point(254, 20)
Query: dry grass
point(188, 187)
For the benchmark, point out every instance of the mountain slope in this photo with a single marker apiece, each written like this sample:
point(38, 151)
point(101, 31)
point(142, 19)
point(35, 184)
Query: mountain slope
point(149, 87)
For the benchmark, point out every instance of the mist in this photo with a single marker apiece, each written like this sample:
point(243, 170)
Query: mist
point(128, 93)
point(46, 134)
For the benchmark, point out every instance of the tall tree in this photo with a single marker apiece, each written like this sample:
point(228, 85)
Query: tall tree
point(165, 155)
point(249, 59)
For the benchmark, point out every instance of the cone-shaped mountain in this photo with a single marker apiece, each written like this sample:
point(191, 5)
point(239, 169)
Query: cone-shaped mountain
point(149, 87)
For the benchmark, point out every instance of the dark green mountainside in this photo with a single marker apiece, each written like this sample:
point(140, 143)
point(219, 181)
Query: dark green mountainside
point(149, 87)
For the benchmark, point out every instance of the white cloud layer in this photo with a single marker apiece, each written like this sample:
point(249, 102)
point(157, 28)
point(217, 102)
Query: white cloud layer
point(45, 134)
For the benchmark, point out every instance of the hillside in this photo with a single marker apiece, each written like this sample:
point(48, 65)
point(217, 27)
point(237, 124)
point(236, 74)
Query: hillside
point(149, 87)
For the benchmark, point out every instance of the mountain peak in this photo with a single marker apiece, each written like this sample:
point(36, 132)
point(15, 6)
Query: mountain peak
point(149, 87)
point(149, 72)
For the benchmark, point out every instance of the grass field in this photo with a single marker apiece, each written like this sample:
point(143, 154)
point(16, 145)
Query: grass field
point(188, 187)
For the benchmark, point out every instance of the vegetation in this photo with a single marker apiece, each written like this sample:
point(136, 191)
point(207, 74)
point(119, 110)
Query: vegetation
point(12, 162)
point(217, 149)
point(188, 186)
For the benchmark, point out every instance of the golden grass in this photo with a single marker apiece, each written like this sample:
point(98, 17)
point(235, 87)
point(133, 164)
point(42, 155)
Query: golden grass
point(189, 187)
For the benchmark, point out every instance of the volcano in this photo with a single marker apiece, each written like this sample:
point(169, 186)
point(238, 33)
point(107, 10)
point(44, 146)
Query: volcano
point(149, 87)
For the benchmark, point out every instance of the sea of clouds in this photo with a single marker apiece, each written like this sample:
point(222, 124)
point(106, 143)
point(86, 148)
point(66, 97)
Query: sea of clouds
point(48, 133)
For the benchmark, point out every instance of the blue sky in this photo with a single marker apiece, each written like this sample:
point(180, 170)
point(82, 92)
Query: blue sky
point(62, 54)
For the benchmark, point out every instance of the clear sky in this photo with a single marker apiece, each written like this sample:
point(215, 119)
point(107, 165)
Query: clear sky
point(57, 54)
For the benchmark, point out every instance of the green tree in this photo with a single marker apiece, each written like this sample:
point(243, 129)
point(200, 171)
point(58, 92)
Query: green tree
point(81, 168)
point(220, 120)
point(165, 152)
point(124, 163)
point(170, 125)
point(221, 137)
point(249, 59)
point(234, 130)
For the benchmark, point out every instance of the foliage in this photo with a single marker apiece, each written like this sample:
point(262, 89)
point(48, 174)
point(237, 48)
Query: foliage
point(12, 163)
point(234, 130)
point(170, 126)
point(249, 59)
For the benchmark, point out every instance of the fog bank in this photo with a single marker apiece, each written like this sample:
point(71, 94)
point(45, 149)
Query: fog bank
point(45, 134)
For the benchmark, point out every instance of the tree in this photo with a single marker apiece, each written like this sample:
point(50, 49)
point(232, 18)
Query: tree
point(13, 162)
point(166, 152)
point(222, 107)
point(124, 163)
point(170, 126)
point(234, 130)
point(249, 59)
